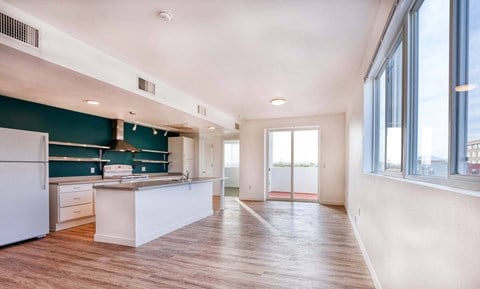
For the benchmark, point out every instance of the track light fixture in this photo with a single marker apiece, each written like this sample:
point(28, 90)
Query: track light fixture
point(154, 130)
point(132, 113)
point(166, 132)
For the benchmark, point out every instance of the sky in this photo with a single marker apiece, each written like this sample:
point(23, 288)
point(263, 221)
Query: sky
point(306, 146)
point(433, 78)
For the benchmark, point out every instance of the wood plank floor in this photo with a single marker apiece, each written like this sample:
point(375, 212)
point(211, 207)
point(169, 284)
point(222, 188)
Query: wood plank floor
point(250, 245)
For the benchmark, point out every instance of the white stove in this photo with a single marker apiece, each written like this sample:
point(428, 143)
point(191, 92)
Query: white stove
point(124, 173)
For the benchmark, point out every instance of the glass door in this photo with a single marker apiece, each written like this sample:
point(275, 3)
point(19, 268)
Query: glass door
point(280, 165)
point(305, 165)
point(293, 164)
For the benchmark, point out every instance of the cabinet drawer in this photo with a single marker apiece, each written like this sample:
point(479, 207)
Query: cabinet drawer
point(75, 212)
point(77, 198)
point(75, 188)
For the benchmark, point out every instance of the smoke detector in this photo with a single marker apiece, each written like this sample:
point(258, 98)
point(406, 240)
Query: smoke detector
point(165, 16)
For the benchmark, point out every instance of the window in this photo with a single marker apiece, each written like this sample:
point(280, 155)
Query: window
point(394, 111)
point(388, 107)
point(437, 59)
point(467, 94)
point(431, 89)
point(232, 154)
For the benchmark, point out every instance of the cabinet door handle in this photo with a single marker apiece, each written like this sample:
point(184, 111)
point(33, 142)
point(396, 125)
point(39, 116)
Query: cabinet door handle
point(76, 212)
point(77, 198)
point(76, 188)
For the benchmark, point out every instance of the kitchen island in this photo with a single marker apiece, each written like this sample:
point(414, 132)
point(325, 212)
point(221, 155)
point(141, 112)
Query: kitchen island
point(135, 213)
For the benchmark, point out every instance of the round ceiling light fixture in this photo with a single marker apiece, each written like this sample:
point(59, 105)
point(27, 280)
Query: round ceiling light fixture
point(92, 102)
point(277, 101)
point(211, 127)
point(465, 87)
point(165, 16)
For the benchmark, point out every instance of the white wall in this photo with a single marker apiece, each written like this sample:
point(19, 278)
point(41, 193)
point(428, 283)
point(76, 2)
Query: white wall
point(332, 155)
point(217, 163)
point(233, 180)
point(416, 235)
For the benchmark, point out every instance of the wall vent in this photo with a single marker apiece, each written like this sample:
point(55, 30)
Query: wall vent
point(146, 85)
point(237, 126)
point(202, 110)
point(18, 30)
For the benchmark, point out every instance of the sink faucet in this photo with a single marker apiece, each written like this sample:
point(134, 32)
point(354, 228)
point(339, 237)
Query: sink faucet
point(186, 176)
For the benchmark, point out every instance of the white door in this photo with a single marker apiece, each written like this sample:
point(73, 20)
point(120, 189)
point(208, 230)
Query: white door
point(23, 201)
point(21, 145)
point(206, 169)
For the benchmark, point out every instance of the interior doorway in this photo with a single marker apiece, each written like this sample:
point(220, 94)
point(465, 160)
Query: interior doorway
point(292, 171)
point(231, 164)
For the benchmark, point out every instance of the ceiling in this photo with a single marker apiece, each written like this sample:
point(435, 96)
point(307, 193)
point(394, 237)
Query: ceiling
point(232, 54)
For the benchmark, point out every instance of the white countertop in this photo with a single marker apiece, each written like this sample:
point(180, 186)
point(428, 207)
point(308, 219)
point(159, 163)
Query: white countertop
point(153, 184)
point(98, 180)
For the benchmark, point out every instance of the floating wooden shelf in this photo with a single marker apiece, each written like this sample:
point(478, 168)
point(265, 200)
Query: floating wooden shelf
point(154, 151)
point(150, 161)
point(75, 159)
point(72, 144)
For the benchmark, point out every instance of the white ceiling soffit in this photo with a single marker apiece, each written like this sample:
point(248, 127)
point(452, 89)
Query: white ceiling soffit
point(33, 79)
point(235, 54)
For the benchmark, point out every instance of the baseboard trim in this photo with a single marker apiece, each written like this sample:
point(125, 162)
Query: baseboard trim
point(114, 240)
point(332, 203)
point(373, 273)
point(251, 199)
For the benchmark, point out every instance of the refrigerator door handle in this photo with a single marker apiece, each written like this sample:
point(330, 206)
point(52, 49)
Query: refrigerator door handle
point(44, 178)
point(45, 151)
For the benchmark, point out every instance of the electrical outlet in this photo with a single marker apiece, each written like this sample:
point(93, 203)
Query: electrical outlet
point(92, 170)
point(144, 169)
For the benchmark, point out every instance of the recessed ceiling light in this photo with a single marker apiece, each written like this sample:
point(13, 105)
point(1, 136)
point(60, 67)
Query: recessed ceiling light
point(92, 102)
point(465, 87)
point(211, 127)
point(277, 101)
point(165, 16)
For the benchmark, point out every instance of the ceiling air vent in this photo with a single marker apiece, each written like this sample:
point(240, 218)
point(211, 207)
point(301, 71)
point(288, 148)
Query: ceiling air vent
point(18, 30)
point(202, 110)
point(146, 85)
point(237, 126)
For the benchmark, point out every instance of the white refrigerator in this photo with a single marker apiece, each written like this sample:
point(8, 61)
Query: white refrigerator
point(23, 185)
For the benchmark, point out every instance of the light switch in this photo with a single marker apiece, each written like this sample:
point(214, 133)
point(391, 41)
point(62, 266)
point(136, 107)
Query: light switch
point(92, 170)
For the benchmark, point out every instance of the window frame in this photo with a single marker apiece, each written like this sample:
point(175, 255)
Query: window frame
point(407, 33)
point(386, 67)
point(459, 69)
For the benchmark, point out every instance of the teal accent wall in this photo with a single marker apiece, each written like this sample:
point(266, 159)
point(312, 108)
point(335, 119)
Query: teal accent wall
point(70, 126)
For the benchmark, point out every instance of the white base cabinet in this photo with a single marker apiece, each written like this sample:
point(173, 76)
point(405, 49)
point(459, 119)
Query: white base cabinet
point(71, 205)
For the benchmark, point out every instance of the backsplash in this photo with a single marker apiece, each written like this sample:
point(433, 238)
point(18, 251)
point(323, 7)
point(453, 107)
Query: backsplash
point(70, 126)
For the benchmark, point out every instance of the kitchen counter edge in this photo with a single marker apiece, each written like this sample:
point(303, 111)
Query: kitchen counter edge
point(153, 184)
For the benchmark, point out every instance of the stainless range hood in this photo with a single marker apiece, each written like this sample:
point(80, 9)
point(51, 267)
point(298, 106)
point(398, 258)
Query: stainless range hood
point(118, 143)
